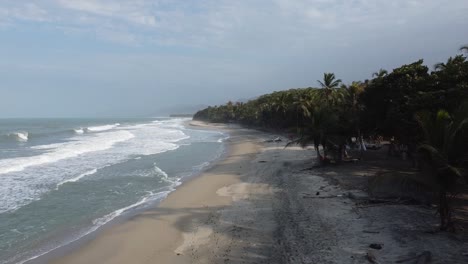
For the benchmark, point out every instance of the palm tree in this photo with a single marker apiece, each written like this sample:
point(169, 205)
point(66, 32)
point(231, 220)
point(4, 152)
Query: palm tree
point(354, 91)
point(302, 108)
point(439, 66)
point(444, 149)
point(329, 81)
point(380, 74)
point(450, 61)
point(329, 90)
point(316, 129)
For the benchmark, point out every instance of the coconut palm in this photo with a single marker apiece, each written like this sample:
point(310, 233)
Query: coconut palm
point(439, 66)
point(329, 81)
point(380, 74)
point(329, 92)
point(445, 147)
point(450, 61)
point(354, 91)
point(315, 130)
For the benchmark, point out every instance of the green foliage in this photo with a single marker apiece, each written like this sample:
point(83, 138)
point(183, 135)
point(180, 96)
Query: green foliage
point(385, 105)
point(404, 103)
point(380, 74)
point(390, 101)
point(329, 81)
point(443, 152)
point(332, 113)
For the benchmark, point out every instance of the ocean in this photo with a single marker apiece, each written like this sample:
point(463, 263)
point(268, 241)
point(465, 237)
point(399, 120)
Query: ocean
point(62, 179)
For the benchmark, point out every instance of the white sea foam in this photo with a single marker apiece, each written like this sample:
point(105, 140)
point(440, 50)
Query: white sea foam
point(97, 223)
point(79, 130)
point(79, 177)
point(160, 172)
point(102, 128)
point(21, 136)
point(109, 217)
point(221, 140)
point(60, 151)
point(201, 166)
point(147, 139)
point(25, 179)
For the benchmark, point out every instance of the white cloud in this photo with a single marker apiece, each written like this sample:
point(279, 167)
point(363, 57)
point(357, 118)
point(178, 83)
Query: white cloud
point(130, 11)
point(23, 11)
point(227, 23)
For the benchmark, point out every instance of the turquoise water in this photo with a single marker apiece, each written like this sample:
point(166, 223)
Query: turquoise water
point(61, 179)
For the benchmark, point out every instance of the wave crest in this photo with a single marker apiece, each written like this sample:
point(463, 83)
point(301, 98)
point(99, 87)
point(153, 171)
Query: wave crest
point(102, 128)
point(90, 172)
point(20, 136)
point(60, 151)
point(78, 131)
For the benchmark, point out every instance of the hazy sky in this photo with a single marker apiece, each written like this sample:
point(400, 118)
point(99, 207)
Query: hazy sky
point(134, 57)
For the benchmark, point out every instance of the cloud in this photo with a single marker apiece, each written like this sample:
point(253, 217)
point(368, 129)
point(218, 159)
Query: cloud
point(227, 24)
point(23, 12)
point(209, 50)
point(134, 12)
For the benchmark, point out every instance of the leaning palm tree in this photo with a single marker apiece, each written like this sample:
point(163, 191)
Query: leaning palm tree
point(380, 74)
point(315, 131)
point(445, 147)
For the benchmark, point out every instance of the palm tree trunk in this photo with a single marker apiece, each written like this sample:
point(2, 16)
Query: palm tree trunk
point(444, 211)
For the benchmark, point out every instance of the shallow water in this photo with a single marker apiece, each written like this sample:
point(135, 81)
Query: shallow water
point(61, 179)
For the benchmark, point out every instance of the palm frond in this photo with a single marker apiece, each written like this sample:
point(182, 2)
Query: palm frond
point(439, 66)
point(431, 155)
point(321, 84)
point(464, 48)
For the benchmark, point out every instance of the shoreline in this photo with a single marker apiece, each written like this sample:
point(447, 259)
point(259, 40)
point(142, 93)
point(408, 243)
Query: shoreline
point(257, 205)
point(75, 252)
point(134, 210)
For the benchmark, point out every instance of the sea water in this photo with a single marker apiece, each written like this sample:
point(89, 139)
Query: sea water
point(61, 179)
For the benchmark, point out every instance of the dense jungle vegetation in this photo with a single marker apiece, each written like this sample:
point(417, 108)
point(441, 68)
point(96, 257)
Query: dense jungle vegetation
point(425, 111)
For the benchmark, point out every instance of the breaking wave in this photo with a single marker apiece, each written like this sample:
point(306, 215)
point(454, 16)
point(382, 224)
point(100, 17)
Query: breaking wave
point(90, 172)
point(60, 151)
point(20, 136)
point(101, 128)
point(78, 130)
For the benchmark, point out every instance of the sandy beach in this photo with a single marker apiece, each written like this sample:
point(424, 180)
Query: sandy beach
point(183, 223)
point(263, 203)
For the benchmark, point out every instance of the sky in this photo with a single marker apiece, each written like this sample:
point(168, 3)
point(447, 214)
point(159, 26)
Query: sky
point(103, 58)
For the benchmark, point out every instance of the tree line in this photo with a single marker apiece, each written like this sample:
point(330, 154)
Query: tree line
point(425, 110)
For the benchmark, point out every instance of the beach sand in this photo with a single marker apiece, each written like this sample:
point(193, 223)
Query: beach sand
point(183, 221)
point(263, 203)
